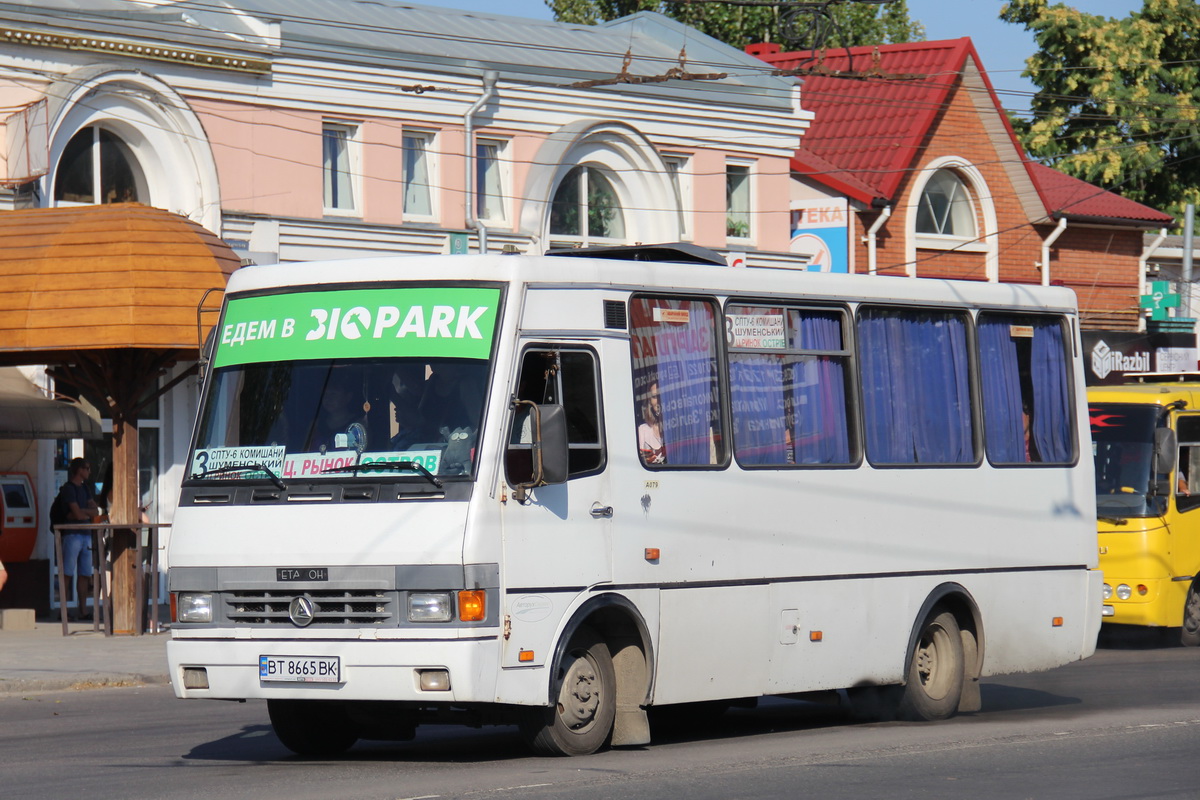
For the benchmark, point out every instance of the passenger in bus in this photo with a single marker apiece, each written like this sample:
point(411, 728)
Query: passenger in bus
point(650, 433)
point(342, 405)
point(409, 426)
point(1031, 454)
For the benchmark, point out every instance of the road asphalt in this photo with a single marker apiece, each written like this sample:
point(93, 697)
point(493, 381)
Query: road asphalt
point(43, 660)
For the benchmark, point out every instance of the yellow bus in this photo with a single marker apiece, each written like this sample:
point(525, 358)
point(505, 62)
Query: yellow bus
point(1146, 443)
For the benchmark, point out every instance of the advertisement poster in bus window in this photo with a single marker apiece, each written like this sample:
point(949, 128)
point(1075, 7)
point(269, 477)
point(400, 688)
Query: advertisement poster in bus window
point(433, 322)
point(675, 363)
point(819, 230)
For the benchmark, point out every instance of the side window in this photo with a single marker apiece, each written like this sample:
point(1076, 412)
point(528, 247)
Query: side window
point(1187, 482)
point(675, 382)
point(788, 374)
point(916, 387)
point(1024, 368)
point(563, 377)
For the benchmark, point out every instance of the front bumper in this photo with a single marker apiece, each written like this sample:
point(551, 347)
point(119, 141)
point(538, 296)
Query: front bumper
point(376, 669)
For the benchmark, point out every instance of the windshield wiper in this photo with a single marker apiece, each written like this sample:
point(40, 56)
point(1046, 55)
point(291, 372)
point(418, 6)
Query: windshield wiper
point(275, 479)
point(1112, 520)
point(389, 466)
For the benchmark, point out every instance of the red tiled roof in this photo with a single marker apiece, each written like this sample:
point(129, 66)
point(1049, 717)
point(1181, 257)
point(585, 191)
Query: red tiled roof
point(872, 128)
point(867, 132)
point(1070, 197)
point(808, 163)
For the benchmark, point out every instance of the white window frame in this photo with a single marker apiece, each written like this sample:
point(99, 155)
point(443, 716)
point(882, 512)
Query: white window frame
point(350, 166)
point(748, 166)
point(503, 174)
point(679, 172)
point(429, 141)
point(986, 238)
point(97, 178)
point(586, 238)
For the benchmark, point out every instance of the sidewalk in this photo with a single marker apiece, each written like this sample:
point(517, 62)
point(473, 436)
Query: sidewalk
point(43, 660)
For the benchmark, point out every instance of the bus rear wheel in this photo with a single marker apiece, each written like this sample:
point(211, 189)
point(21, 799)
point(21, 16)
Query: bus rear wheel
point(1190, 634)
point(581, 720)
point(314, 728)
point(934, 679)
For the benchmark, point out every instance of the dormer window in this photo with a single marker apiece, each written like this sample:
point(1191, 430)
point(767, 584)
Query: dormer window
point(945, 207)
point(951, 208)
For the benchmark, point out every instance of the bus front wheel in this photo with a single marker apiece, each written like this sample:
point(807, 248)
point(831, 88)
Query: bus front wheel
point(316, 728)
point(585, 687)
point(1190, 634)
point(934, 679)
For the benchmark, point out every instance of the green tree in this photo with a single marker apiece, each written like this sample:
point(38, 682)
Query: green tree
point(1117, 98)
point(847, 24)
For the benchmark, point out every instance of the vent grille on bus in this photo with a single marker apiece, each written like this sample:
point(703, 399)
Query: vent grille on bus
point(614, 315)
point(350, 607)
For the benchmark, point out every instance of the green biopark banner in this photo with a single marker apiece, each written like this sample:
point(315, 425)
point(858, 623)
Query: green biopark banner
point(431, 322)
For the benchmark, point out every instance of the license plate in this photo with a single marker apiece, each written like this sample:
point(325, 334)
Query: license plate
point(300, 669)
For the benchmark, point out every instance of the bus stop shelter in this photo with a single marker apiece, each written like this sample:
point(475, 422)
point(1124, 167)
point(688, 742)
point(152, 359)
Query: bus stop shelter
point(106, 297)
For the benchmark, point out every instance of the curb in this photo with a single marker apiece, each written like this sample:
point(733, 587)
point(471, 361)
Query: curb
point(78, 683)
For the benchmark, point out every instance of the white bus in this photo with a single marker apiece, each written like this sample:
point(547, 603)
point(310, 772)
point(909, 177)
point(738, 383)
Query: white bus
point(562, 490)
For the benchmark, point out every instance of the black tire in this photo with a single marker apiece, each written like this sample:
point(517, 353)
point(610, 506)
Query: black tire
point(314, 728)
point(1189, 635)
point(585, 685)
point(935, 671)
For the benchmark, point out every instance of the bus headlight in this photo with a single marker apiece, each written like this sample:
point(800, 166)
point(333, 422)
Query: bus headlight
point(1124, 592)
point(1107, 592)
point(429, 607)
point(193, 607)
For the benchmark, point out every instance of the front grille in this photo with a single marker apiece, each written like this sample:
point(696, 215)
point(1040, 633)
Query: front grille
point(330, 607)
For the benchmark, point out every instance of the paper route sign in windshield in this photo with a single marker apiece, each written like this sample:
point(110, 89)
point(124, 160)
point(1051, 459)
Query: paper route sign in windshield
point(446, 322)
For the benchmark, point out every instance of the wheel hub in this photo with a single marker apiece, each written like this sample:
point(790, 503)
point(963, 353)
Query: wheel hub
point(580, 696)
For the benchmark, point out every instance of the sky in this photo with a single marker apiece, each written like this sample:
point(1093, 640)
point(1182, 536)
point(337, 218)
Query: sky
point(1002, 46)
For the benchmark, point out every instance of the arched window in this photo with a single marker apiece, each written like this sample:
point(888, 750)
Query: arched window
point(98, 167)
point(586, 206)
point(945, 207)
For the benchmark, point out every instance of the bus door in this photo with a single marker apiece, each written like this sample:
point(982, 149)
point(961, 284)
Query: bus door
point(557, 541)
point(1185, 530)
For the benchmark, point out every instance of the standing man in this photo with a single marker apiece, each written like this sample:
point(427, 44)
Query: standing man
point(76, 496)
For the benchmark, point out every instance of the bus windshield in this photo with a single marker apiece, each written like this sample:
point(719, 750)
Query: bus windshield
point(318, 418)
point(324, 384)
point(1123, 446)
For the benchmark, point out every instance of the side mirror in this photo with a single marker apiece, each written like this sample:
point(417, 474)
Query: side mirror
point(548, 453)
point(1165, 444)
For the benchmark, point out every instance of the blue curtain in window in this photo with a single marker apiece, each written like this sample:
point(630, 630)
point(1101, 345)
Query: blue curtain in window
point(819, 428)
point(916, 388)
point(686, 358)
point(1002, 422)
point(760, 426)
point(1051, 395)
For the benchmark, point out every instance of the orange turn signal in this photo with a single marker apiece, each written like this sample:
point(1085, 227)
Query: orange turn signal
point(525, 655)
point(652, 554)
point(472, 605)
point(1057, 622)
point(815, 636)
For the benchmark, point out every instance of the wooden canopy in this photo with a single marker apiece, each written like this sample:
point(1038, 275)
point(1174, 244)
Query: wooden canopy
point(100, 277)
point(106, 296)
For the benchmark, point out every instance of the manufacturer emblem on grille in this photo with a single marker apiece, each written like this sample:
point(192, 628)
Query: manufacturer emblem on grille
point(300, 611)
